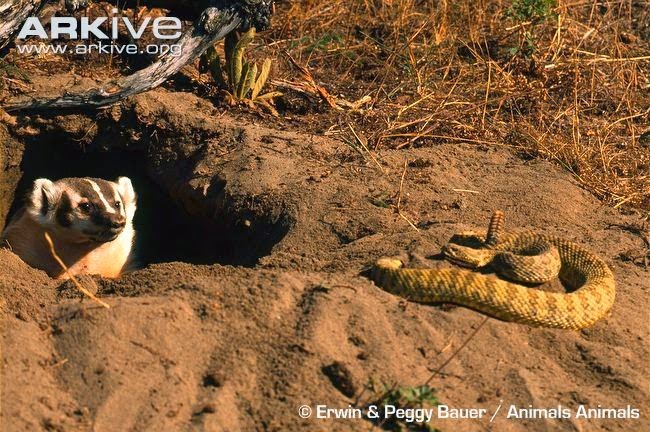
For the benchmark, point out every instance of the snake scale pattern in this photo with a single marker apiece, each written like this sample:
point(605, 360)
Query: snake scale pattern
point(589, 279)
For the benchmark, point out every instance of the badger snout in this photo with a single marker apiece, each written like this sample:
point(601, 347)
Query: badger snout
point(114, 225)
point(108, 227)
point(111, 222)
point(117, 222)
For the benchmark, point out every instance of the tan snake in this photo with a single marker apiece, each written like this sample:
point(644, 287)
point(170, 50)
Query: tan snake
point(525, 257)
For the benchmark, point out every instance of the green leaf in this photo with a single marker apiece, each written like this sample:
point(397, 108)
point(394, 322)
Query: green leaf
point(242, 81)
point(248, 81)
point(229, 48)
point(261, 80)
point(238, 57)
point(213, 63)
point(217, 73)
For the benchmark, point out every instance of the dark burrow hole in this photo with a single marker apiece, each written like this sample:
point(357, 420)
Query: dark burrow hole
point(165, 231)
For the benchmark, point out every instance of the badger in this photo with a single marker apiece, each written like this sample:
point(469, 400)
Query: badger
point(89, 220)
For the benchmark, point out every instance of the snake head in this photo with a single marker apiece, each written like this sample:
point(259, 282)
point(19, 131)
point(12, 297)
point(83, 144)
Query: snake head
point(468, 250)
point(389, 263)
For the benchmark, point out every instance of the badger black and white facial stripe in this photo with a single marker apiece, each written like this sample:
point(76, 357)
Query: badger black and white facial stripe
point(63, 213)
point(87, 207)
point(111, 193)
point(89, 221)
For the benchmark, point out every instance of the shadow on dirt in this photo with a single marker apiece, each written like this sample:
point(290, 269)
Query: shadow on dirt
point(165, 231)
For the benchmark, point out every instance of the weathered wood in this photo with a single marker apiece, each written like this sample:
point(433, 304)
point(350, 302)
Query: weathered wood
point(13, 13)
point(212, 25)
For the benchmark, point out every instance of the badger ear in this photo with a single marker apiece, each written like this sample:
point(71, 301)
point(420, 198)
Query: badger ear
point(43, 197)
point(125, 189)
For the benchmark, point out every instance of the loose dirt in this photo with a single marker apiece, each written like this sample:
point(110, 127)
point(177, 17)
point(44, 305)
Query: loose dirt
point(240, 347)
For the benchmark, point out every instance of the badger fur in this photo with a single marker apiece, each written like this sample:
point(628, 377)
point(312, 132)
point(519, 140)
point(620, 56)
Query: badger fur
point(90, 222)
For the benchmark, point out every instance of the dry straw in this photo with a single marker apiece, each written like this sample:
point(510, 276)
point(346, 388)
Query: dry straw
point(571, 86)
point(71, 276)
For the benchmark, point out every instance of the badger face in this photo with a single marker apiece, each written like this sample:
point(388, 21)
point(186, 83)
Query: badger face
point(83, 209)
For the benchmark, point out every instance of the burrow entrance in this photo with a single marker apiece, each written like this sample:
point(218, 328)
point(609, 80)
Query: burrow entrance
point(165, 231)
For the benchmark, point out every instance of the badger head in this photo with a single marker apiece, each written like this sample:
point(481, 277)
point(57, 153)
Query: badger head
point(83, 209)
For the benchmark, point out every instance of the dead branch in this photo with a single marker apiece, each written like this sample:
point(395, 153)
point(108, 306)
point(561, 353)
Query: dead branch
point(213, 25)
point(14, 12)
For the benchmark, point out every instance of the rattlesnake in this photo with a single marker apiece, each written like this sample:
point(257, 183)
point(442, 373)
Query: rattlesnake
point(525, 257)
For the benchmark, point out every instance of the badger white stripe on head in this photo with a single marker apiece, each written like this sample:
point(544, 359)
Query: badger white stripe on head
point(98, 191)
point(116, 197)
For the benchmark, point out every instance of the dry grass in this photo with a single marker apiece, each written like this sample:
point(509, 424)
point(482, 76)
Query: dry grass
point(445, 71)
point(420, 72)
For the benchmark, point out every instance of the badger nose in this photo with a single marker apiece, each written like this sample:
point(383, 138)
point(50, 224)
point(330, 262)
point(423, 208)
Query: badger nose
point(117, 222)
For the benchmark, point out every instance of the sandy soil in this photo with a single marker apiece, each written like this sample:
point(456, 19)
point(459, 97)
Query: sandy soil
point(225, 348)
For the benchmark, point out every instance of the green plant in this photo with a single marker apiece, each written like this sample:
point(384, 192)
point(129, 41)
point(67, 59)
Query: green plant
point(528, 13)
point(417, 396)
point(405, 397)
point(531, 10)
point(240, 83)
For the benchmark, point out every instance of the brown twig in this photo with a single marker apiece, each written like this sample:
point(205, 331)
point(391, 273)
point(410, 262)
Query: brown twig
point(70, 275)
point(455, 353)
point(398, 206)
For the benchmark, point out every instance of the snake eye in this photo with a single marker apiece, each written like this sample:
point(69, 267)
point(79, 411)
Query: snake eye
point(84, 207)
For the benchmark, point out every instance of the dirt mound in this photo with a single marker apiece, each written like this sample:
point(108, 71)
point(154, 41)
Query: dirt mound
point(196, 346)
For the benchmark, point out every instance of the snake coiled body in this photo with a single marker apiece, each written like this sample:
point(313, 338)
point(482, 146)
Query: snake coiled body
point(589, 278)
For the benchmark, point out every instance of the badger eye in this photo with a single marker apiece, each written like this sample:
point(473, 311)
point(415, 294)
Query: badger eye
point(84, 207)
point(117, 205)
